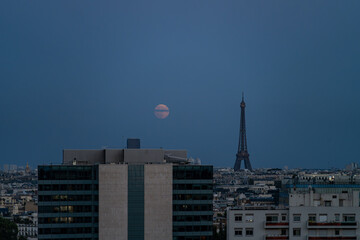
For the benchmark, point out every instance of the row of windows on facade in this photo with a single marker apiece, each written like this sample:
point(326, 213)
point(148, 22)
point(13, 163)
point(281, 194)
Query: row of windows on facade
point(192, 187)
point(56, 198)
point(70, 238)
point(90, 172)
point(75, 198)
point(68, 209)
point(88, 208)
point(192, 238)
point(68, 187)
point(297, 217)
point(28, 232)
point(192, 197)
point(67, 173)
point(193, 172)
point(192, 207)
point(205, 228)
point(196, 218)
point(51, 220)
point(250, 232)
point(89, 187)
point(295, 232)
point(44, 231)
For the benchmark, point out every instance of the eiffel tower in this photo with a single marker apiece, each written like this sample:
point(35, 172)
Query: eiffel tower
point(242, 153)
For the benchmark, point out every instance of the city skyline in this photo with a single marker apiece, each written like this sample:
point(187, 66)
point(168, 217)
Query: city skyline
point(89, 75)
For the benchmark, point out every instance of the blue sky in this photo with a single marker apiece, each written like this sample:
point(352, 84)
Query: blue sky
point(88, 74)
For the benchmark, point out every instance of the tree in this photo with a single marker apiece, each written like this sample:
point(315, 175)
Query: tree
point(8, 229)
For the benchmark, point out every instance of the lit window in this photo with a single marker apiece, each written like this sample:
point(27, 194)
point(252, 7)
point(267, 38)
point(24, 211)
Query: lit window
point(249, 217)
point(323, 218)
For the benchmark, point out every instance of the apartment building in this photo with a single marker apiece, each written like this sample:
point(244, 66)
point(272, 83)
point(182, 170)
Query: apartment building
point(315, 212)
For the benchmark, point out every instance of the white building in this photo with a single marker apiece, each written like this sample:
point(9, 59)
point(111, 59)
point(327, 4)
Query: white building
point(331, 212)
point(28, 230)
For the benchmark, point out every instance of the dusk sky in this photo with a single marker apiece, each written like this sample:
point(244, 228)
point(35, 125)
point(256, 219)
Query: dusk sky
point(88, 75)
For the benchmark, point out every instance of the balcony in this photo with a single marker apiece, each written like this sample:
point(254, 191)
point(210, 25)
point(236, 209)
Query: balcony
point(276, 237)
point(268, 224)
point(313, 225)
point(331, 237)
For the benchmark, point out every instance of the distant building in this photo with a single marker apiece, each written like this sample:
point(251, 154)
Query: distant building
point(13, 168)
point(6, 167)
point(125, 194)
point(28, 230)
point(352, 166)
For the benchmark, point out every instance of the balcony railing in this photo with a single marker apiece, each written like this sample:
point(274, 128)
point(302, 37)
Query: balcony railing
point(331, 237)
point(276, 237)
point(311, 224)
point(268, 224)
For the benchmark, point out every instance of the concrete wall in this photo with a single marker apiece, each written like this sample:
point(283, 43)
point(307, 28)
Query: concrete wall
point(143, 155)
point(90, 157)
point(176, 153)
point(257, 224)
point(83, 157)
point(158, 201)
point(113, 202)
point(114, 155)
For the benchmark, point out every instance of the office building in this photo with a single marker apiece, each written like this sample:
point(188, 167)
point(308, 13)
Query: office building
point(125, 194)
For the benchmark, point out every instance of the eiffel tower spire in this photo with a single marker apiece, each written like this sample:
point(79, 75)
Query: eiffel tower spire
point(242, 153)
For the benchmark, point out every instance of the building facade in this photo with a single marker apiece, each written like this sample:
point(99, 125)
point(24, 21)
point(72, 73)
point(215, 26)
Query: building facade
point(127, 194)
point(317, 212)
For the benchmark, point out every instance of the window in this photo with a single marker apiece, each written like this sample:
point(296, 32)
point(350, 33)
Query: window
point(283, 232)
point(297, 217)
point(283, 217)
point(349, 217)
point(238, 217)
point(271, 218)
point(337, 217)
point(323, 218)
point(238, 231)
point(297, 232)
point(327, 203)
point(249, 232)
point(249, 217)
point(337, 232)
point(312, 218)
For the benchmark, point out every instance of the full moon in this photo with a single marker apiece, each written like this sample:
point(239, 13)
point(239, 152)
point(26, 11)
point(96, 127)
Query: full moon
point(161, 111)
